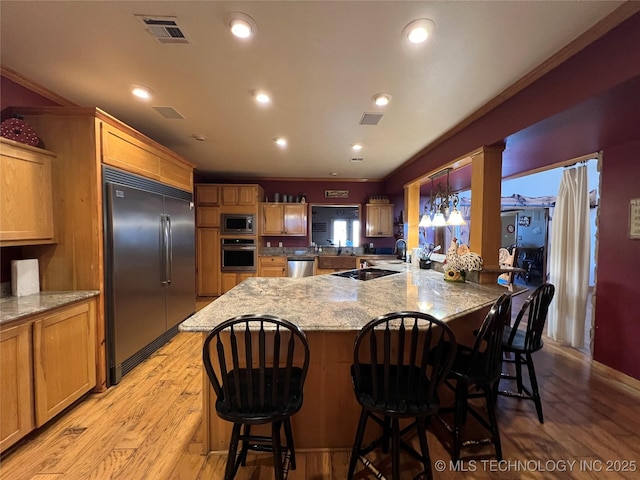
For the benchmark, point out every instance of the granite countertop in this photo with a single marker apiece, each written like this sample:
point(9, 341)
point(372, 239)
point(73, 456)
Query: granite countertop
point(15, 308)
point(332, 303)
point(313, 255)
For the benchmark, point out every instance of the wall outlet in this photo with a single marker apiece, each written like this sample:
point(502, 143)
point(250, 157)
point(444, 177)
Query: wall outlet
point(280, 244)
point(268, 244)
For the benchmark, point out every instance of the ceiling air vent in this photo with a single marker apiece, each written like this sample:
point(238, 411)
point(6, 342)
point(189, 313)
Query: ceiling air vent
point(357, 159)
point(370, 118)
point(169, 112)
point(164, 29)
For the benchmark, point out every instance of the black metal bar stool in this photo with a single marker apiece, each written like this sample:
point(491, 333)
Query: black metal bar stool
point(399, 363)
point(257, 370)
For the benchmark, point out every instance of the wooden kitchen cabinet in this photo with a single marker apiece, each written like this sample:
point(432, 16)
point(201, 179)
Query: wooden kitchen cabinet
point(239, 195)
point(208, 262)
point(64, 358)
point(16, 384)
point(46, 363)
point(136, 155)
point(272, 267)
point(208, 239)
point(207, 216)
point(379, 218)
point(26, 199)
point(284, 219)
point(208, 194)
point(229, 280)
point(84, 140)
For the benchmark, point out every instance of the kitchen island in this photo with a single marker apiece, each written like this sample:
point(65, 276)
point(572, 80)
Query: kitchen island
point(331, 310)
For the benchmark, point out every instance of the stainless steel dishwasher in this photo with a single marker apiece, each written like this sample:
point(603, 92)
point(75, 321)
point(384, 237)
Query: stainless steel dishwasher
point(299, 266)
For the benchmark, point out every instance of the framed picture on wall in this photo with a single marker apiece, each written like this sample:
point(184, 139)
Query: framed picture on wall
point(634, 218)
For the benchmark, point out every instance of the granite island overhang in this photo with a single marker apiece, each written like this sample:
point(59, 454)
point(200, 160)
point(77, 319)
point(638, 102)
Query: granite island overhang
point(334, 304)
point(331, 310)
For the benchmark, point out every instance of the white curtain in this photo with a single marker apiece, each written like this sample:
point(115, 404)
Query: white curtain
point(569, 259)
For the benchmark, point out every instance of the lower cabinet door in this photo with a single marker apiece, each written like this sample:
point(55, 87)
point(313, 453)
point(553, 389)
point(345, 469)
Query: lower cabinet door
point(16, 385)
point(64, 358)
point(208, 261)
point(231, 279)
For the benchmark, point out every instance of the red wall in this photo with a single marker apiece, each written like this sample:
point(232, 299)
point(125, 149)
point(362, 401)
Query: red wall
point(609, 62)
point(14, 95)
point(617, 319)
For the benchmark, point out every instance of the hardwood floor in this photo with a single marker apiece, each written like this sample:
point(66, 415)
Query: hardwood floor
point(148, 427)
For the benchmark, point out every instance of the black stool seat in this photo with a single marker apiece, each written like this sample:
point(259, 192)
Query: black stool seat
point(519, 341)
point(257, 365)
point(271, 409)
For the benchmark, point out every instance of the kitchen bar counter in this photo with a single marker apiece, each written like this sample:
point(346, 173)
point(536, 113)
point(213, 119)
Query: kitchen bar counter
point(331, 310)
point(16, 308)
point(333, 304)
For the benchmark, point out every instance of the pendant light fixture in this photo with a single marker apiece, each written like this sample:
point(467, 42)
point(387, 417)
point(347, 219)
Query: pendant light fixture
point(442, 208)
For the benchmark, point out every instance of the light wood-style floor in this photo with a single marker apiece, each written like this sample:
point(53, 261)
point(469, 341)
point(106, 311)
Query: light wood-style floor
point(149, 427)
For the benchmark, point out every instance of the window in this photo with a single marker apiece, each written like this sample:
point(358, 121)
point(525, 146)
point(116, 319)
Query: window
point(346, 233)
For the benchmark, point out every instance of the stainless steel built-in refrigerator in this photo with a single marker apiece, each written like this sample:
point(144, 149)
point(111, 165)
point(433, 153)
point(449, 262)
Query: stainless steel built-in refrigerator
point(150, 269)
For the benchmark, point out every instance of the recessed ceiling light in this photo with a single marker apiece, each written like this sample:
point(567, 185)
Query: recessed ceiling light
point(419, 30)
point(382, 99)
point(334, 174)
point(199, 137)
point(242, 25)
point(141, 92)
point(357, 147)
point(280, 141)
point(261, 96)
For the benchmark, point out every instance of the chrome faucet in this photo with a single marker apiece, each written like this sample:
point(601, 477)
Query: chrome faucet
point(401, 249)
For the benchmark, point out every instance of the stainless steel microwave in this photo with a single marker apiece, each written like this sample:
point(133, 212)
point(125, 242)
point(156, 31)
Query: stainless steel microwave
point(237, 224)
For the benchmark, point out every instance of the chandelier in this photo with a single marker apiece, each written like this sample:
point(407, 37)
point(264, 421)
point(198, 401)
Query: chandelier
point(442, 208)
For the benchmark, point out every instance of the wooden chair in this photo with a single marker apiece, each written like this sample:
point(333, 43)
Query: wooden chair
point(521, 343)
point(506, 259)
point(399, 363)
point(257, 372)
point(478, 369)
point(534, 265)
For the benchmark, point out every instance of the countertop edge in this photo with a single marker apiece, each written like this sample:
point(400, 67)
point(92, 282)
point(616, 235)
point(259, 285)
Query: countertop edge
point(344, 305)
point(14, 309)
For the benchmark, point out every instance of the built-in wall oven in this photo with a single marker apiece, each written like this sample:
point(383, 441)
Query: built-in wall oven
point(239, 254)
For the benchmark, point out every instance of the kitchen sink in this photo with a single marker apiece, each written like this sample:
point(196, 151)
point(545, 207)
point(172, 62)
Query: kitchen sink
point(365, 274)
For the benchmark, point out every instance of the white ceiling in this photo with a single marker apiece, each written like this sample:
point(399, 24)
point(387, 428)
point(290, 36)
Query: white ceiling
point(322, 61)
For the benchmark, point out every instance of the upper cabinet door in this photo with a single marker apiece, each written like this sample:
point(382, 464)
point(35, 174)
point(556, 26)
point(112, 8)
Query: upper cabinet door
point(284, 219)
point(379, 220)
point(272, 219)
point(145, 158)
point(26, 200)
point(208, 195)
point(239, 195)
point(295, 219)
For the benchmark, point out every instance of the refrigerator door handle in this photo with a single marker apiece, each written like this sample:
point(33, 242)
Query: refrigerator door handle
point(164, 248)
point(169, 263)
